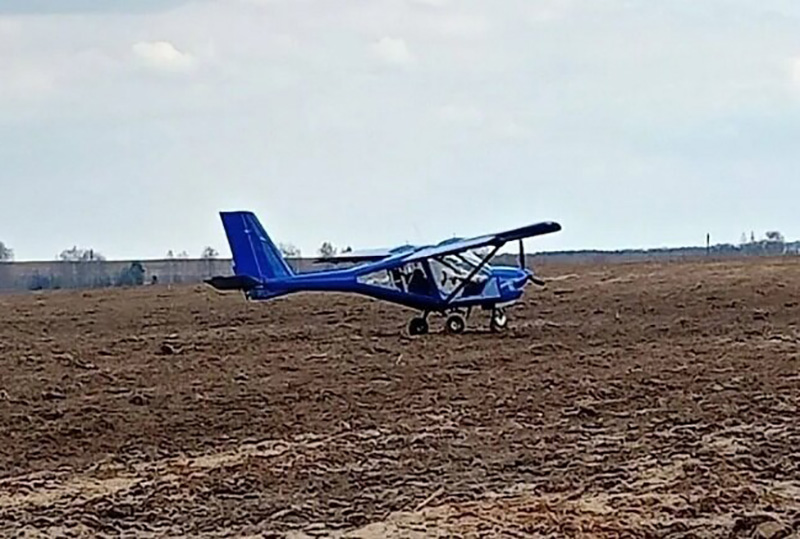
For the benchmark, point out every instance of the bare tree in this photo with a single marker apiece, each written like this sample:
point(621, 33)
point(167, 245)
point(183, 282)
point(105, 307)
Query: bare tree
point(78, 254)
point(774, 235)
point(209, 253)
point(288, 250)
point(327, 250)
point(183, 254)
point(170, 254)
point(6, 253)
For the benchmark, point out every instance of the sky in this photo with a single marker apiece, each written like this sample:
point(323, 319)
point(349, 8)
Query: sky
point(127, 125)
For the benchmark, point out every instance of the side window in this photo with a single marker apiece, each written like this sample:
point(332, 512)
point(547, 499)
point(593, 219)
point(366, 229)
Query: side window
point(444, 277)
point(379, 278)
point(416, 279)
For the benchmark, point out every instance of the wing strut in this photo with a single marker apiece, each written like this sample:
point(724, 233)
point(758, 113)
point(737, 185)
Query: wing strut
point(472, 274)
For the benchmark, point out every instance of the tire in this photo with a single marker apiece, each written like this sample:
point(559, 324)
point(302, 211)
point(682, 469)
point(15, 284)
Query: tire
point(455, 324)
point(499, 321)
point(418, 326)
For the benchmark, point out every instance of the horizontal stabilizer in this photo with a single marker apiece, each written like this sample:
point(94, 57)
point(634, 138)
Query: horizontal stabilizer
point(235, 282)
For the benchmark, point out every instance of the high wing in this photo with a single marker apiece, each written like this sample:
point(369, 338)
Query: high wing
point(354, 257)
point(444, 248)
point(495, 240)
point(366, 255)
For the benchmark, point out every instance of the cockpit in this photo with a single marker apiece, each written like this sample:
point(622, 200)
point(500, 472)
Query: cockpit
point(453, 269)
point(439, 275)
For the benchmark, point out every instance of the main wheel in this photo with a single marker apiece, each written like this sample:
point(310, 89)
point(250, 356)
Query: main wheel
point(455, 324)
point(418, 326)
point(499, 320)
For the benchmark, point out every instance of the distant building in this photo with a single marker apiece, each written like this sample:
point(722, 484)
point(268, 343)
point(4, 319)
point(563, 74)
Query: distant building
point(792, 248)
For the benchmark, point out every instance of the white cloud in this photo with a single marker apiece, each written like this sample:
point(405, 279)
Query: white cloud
point(492, 89)
point(463, 115)
point(554, 10)
point(464, 25)
point(429, 3)
point(796, 71)
point(37, 76)
point(25, 82)
point(511, 129)
point(494, 124)
point(163, 55)
point(26, 7)
point(392, 50)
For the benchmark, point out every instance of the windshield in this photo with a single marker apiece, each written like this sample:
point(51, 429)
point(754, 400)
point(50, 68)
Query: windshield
point(450, 273)
point(465, 263)
point(475, 257)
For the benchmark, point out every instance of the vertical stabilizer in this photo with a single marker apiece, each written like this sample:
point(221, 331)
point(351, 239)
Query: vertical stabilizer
point(254, 253)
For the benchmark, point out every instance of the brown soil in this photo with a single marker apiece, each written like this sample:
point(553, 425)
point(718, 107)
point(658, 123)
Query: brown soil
point(637, 400)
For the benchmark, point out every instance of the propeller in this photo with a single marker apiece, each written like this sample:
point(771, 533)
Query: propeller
point(533, 278)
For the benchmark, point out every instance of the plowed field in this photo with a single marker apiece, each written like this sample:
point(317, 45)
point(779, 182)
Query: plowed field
point(631, 400)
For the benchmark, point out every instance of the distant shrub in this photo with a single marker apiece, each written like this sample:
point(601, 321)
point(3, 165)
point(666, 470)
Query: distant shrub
point(43, 282)
point(132, 276)
point(6, 253)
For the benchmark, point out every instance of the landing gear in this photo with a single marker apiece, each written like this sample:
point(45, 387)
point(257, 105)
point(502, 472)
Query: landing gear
point(499, 320)
point(455, 324)
point(418, 326)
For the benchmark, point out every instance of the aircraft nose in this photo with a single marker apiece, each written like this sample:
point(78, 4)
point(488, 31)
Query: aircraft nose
point(521, 278)
point(513, 277)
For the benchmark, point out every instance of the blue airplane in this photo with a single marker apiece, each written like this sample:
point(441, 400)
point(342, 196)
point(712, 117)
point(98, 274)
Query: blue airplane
point(449, 279)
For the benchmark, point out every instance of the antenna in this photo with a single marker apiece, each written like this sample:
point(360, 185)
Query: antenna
point(416, 232)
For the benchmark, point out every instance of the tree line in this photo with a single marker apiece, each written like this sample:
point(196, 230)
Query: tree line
point(81, 254)
point(774, 242)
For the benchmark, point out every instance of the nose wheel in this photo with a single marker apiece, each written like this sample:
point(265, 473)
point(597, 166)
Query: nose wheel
point(499, 320)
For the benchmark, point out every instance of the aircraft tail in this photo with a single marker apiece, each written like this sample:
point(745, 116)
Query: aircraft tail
point(255, 256)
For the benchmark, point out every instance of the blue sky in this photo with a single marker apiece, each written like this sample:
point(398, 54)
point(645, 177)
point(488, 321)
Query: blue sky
point(127, 125)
